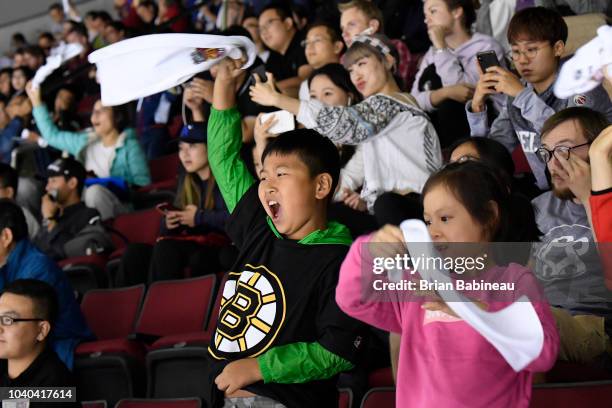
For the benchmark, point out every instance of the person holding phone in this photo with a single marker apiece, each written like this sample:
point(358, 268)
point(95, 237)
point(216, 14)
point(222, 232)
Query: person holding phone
point(448, 72)
point(193, 227)
point(537, 36)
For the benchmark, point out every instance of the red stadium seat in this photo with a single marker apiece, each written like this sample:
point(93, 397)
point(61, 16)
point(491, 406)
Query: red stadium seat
point(572, 395)
point(164, 168)
point(164, 173)
point(160, 403)
point(381, 377)
point(85, 272)
point(93, 404)
point(112, 313)
point(170, 308)
point(345, 398)
point(177, 362)
point(381, 397)
point(136, 227)
point(177, 306)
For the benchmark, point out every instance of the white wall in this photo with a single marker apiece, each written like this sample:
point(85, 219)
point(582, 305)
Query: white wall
point(30, 17)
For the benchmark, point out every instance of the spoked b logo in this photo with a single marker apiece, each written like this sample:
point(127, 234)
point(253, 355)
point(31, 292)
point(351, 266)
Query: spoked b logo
point(252, 312)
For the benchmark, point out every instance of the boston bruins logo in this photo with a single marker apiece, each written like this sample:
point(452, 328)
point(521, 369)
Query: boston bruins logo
point(252, 312)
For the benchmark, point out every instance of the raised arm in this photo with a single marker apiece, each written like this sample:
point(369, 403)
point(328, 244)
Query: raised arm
point(225, 137)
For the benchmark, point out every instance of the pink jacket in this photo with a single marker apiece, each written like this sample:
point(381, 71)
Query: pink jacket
point(443, 362)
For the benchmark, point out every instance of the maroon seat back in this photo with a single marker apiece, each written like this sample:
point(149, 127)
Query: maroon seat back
point(112, 313)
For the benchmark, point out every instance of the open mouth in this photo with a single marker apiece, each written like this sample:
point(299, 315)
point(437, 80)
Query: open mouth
point(274, 209)
point(441, 247)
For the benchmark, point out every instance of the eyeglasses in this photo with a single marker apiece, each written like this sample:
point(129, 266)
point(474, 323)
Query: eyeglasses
point(530, 53)
point(545, 155)
point(8, 320)
point(266, 26)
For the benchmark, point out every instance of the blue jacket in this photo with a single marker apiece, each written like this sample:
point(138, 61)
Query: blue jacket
point(27, 262)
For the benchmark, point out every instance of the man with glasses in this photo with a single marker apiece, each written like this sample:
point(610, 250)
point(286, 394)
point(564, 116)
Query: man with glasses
point(566, 261)
point(20, 259)
point(287, 61)
point(28, 309)
point(537, 36)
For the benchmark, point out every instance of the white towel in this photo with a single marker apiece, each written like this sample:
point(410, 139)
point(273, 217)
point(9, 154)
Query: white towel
point(515, 331)
point(584, 71)
point(149, 64)
point(58, 55)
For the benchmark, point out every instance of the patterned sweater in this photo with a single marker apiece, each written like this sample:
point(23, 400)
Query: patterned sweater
point(400, 147)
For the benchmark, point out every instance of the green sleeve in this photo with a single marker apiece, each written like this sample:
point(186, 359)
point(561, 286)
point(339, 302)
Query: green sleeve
point(72, 142)
point(224, 142)
point(300, 363)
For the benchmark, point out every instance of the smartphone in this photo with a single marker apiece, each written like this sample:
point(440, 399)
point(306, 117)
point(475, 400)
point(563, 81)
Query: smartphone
point(165, 207)
point(487, 59)
point(284, 121)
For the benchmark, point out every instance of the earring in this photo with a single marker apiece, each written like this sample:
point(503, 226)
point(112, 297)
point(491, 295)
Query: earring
point(348, 103)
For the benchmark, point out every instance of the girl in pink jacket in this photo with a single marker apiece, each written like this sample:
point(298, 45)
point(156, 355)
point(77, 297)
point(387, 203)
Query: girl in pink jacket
point(443, 361)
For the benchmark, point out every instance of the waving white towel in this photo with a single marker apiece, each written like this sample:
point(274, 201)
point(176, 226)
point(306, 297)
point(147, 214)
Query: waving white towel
point(60, 54)
point(146, 65)
point(515, 331)
point(584, 71)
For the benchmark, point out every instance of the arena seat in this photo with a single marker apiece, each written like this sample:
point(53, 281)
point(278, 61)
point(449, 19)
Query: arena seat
point(160, 403)
point(379, 397)
point(164, 173)
point(170, 308)
point(345, 398)
point(112, 313)
point(572, 395)
point(381, 377)
point(93, 404)
point(176, 359)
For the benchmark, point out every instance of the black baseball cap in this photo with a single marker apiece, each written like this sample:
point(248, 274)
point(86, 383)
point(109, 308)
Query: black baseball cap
point(68, 168)
point(194, 133)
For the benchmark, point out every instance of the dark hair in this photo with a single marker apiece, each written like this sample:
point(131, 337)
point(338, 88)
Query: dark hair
point(516, 219)
point(43, 295)
point(11, 217)
point(359, 49)
point(8, 177)
point(591, 122)
point(19, 37)
point(117, 25)
point(56, 6)
point(236, 30)
point(469, 14)
point(46, 35)
point(491, 153)
point(537, 24)
point(339, 76)
point(282, 9)
point(36, 51)
point(78, 28)
point(121, 117)
point(27, 72)
point(150, 5)
point(332, 31)
point(104, 16)
point(317, 152)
